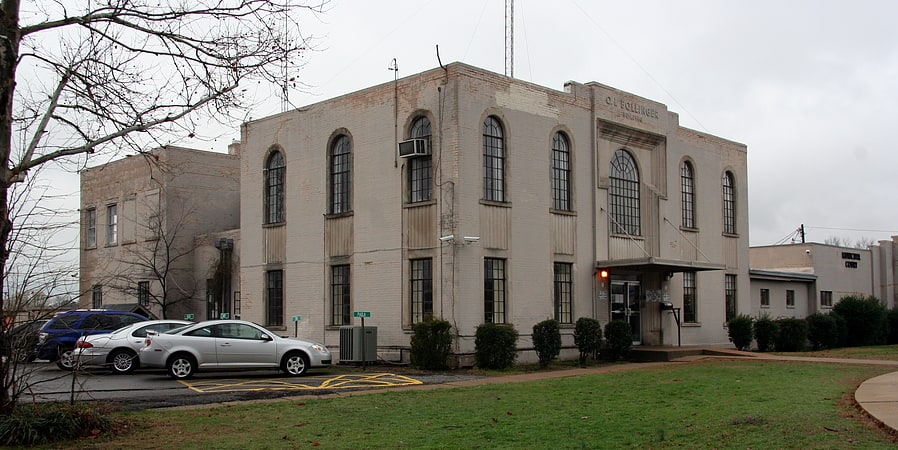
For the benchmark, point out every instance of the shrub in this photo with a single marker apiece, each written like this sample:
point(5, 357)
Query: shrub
point(40, 424)
point(495, 346)
point(739, 330)
point(893, 326)
point(865, 320)
point(792, 334)
point(431, 344)
point(824, 331)
point(588, 338)
point(618, 340)
point(765, 333)
point(547, 341)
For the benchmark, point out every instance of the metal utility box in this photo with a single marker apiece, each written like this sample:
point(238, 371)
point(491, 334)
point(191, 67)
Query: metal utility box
point(356, 346)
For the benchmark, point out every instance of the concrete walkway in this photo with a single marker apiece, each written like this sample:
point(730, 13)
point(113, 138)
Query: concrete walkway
point(879, 397)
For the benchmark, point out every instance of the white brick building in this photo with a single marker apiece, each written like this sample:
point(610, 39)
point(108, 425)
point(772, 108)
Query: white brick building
point(523, 197)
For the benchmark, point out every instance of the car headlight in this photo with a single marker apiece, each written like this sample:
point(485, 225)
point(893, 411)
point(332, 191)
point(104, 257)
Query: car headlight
point(319, 348)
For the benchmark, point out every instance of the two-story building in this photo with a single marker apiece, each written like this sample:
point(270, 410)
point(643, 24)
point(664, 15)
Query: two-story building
point(462, 194)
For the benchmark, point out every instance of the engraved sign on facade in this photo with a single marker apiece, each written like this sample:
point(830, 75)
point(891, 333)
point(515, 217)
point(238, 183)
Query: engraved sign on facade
point(632, 110)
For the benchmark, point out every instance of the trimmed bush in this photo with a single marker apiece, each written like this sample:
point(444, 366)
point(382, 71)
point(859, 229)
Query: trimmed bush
point(825, 331)
point(547, 341)
point(865, 320)
point(588, 338)
point(739, 331)
point(893, 325)
point(431, 344)
point(765, 333)
point(495, 346)
point(792, 334)
point(618, 340)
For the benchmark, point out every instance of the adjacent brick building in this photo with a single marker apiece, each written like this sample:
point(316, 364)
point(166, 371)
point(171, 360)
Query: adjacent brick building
point(139, 218)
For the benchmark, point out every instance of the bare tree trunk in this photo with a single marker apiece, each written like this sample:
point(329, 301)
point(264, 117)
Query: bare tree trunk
point(9, 53)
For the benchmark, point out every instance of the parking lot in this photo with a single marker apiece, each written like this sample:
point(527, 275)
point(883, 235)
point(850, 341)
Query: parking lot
point(153, 388)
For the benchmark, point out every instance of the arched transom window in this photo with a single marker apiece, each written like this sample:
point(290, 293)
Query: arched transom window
point(624, 195)
point(420, 168)
point(561, 173)
point(274, 188)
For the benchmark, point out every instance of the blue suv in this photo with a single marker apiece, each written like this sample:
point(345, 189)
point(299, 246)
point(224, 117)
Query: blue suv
point(57, 338)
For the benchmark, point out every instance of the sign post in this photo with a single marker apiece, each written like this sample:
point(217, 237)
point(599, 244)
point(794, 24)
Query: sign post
point(296, 320)
point(362, 315)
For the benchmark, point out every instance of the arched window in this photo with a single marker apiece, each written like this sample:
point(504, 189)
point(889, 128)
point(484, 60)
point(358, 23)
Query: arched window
point(341, 175)
point(561, 173)
point(420, 168)
point(687, 195)
point(493, 160)
point(274, 188)
point(624, 193)
point(729, 203)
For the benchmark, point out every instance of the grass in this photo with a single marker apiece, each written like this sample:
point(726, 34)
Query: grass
point(715, 404)
point(881, 352)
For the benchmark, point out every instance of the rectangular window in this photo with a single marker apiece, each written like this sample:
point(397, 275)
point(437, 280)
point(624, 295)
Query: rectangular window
point(564, 292)
point(340, 295)
point(730, 296)
point(494, 290)
point(765, 298)
point(90, 228)
point(111, 224)
point(421, 289)
point(96, 296)
point(826, 299)
point(790, 298)
point(690, 312)
point(420, 179)
point(143, 293)
point(274, 308)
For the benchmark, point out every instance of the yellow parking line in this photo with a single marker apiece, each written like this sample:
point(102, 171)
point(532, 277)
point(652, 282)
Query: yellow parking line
point(337, 382)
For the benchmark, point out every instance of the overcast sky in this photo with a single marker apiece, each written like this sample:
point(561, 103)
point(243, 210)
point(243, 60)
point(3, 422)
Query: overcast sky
point(811, 87)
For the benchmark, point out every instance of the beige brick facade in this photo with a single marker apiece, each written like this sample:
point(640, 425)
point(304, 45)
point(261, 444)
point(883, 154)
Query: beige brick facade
point(143, 212)
point(383, 231)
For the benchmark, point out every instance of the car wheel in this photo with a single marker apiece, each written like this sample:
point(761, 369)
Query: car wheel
point(181, 366)
point(295, 364)
point(66, 359)
point(123, 361)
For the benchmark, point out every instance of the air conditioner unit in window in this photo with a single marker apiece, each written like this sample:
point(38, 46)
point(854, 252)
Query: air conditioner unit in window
point(413, 147)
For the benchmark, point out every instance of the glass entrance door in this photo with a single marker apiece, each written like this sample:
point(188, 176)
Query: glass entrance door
point(625, 306)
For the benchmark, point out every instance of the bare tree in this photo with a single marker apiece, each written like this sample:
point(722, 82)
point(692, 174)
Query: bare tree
point(100, 77)
point(161, 261)
point(37, 278)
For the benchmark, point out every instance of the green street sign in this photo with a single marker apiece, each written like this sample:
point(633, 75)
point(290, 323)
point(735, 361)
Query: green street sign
point(297, 318)
point(188, 316)
point(365, 314)
point(224, 316)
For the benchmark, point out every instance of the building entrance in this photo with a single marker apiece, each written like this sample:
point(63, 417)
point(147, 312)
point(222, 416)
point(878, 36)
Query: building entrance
point(625, 306)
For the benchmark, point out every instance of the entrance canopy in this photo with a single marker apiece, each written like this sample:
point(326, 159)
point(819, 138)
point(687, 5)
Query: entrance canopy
point(653, 264)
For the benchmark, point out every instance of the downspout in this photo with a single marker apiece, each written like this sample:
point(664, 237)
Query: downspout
point(594, 147)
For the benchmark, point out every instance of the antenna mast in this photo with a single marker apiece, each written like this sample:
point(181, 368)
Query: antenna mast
point(509, 38)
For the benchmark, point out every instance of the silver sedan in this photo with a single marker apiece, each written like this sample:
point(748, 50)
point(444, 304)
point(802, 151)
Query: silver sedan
point(229, 345)
point(119, 349)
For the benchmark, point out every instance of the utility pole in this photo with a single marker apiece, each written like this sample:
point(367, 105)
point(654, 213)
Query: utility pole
point(509, 38)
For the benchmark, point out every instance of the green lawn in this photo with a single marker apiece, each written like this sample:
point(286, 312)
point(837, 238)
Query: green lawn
point(882, 352)
point(714, 404)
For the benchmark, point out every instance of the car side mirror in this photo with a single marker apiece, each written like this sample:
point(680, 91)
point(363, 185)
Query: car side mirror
point(266, 337)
